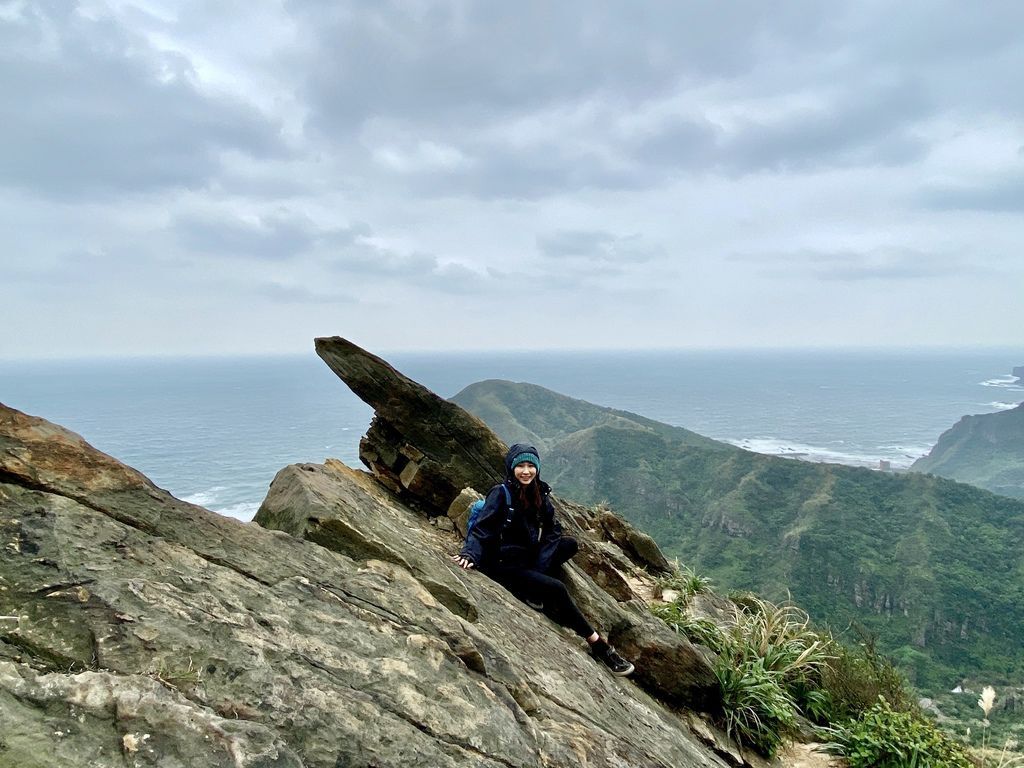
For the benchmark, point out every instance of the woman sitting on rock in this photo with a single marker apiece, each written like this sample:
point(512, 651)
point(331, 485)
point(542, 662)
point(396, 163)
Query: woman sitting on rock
point(523, 550)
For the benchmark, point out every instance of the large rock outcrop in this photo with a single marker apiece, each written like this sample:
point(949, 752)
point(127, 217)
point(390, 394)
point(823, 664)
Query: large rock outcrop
point(139, 630)
point(418, 444)
point(454, 449)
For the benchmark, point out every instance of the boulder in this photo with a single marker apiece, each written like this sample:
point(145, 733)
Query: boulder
point(635, 542)
point(421, 446)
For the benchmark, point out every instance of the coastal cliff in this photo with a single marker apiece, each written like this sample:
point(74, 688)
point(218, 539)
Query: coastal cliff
point(137, 629)
point(985, 450)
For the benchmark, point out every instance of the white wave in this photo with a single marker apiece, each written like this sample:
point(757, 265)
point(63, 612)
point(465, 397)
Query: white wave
point(1002, 406)
point(1005, 382)
point(203, 498)
point(898, 456)
point(245, 510)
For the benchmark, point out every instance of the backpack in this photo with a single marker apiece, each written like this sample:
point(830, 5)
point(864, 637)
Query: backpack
point(477, 507)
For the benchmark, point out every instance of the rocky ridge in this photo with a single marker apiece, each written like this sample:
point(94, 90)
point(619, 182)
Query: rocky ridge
point(140, 630)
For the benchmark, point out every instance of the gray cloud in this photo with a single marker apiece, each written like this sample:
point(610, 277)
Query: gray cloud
point(275, 236)
point(168, 151)
point(370, 261)
point(1002, 195)
point(90, 108)
point(596, 245)
point(447, 62)
point(281, 293)
point(869, 128)
point(883, 264)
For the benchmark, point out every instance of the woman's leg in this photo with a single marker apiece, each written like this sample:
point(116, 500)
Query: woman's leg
point(556, 552)
point(541, 588)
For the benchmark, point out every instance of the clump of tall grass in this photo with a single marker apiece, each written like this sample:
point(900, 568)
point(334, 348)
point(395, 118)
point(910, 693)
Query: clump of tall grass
point(769, 667)
point(682, 583)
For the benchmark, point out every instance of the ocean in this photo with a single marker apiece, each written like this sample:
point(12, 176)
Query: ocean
point(214, 431)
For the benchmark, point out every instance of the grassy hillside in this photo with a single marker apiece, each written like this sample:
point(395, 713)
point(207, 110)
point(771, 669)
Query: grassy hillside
point(985, 450)
point(933, 567)
point(508, 408)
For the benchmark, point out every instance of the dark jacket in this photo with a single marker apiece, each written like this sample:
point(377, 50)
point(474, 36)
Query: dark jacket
point(527, 541)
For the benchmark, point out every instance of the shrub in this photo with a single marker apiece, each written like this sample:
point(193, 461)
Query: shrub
point(882, 737)
point(856, 678)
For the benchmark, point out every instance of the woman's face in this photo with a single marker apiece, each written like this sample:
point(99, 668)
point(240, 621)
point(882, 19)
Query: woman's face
point(525, 472)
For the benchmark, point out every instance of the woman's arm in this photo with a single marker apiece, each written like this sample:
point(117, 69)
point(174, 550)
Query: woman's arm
point(487, 530)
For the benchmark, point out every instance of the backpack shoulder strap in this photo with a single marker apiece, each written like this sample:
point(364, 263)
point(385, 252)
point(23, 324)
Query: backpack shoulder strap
point(508, 503)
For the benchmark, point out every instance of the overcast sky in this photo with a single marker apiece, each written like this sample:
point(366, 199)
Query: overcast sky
point(238, 177)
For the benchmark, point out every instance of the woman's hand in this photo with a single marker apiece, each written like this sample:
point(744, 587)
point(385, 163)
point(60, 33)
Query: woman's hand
point(463, 562)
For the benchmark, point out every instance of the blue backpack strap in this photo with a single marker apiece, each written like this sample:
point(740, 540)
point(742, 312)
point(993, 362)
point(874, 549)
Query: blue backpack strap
point(508, 503)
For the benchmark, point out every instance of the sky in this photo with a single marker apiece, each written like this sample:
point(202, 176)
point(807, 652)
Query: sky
point(188, 177)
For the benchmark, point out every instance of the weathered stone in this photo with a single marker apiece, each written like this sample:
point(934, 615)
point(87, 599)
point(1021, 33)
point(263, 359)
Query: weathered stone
point(634, 542)
point(230, 644)
point(458, 510)
point(100, 718)
point(346, 511)
point(453, 448)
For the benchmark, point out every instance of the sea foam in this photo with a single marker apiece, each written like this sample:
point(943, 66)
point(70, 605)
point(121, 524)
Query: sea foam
point(245, 510)
point(898, 456)
point(1005, 382)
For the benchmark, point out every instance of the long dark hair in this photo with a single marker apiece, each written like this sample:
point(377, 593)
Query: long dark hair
point(526, 497)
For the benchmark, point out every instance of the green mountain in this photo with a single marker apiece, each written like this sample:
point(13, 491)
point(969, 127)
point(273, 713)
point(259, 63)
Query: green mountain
point(986, 451)
point(933, 567)
point(509, 408)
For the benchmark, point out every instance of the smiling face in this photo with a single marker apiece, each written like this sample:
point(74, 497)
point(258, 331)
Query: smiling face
point(525, 472)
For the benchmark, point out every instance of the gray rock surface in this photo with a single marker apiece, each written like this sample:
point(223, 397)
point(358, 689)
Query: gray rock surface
point(137, 629)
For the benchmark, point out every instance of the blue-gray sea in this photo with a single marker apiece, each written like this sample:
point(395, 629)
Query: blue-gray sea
point(214, 431)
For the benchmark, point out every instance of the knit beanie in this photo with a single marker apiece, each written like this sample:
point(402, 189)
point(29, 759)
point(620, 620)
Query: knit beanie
point(519, 458)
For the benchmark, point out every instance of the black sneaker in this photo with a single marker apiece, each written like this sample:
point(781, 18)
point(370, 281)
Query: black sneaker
point(611, 659)
point(537, 606)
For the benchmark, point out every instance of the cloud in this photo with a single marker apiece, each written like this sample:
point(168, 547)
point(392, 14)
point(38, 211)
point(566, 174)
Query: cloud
point(872, 127)
point(278, 235)
point(449, 63)
point(370, 261)
point(281, 293)
point(882, 264)
point(1001, 195)
point(92, 109)
point(596, 245)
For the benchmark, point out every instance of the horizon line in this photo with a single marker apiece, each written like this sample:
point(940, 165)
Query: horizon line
point(547, 351)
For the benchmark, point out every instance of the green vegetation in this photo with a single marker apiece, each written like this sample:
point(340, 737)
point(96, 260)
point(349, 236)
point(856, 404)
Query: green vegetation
point(986, 451)
point(774, 668)
point(684, 581)
point(769, 664)
point(932, 568)
point(882, 737)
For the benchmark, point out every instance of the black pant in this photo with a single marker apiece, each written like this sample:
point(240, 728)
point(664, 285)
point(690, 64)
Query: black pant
point(542, 587)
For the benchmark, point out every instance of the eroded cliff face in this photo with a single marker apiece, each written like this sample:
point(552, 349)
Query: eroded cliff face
point(139, 630)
